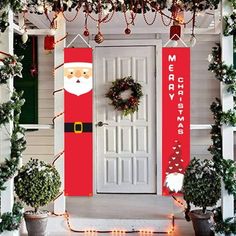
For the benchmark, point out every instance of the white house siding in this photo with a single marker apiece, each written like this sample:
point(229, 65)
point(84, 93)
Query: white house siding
point(40, 143)
point(203, 90)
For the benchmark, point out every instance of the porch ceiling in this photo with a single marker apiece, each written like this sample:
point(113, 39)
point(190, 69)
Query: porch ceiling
point(206, 22)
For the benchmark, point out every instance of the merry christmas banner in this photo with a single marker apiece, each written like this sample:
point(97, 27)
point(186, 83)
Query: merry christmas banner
point(176, 117)
point(78, 121)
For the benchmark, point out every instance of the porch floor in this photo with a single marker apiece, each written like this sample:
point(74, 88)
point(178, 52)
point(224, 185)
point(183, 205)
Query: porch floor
point(108, 211)
point(117, 206)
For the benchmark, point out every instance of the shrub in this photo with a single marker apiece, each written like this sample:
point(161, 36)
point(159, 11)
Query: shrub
point(37, 183)
point(201, 185)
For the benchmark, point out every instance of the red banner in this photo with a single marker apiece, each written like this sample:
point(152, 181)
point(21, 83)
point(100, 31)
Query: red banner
point(176, 117)
point(78, 121)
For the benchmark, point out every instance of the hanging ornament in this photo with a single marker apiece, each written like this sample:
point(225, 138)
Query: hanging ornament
point(86, 33)
point(99, 38)
point(127, 31)
point(24, 37)
point(175, 31)
point(49, 43)
point(33, 69)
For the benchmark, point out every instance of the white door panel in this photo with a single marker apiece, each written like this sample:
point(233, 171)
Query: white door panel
point(126, 153)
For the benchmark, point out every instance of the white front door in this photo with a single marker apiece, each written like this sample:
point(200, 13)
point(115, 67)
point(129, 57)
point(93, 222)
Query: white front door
point(126, 146)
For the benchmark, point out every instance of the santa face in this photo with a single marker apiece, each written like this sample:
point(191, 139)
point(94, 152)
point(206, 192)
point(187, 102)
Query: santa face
point(174, 182)
point(78, 78)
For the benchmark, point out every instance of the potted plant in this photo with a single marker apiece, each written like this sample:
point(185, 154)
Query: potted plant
point(36, 184)
point(202, 188)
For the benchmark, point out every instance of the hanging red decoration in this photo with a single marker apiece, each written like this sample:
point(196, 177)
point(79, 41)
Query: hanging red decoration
point(127, 31)
point(33, 69)
point(49, 43)
point(175, 32)
point(86, 33)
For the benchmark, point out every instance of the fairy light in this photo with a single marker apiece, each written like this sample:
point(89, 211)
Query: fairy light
point(115, 232)
point(57, 157)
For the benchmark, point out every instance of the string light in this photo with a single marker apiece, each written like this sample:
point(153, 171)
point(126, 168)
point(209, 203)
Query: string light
point(57, 157)
point(56, 116)
point(145, 232)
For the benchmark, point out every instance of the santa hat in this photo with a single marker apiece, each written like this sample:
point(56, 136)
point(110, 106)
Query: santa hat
point(78, 55)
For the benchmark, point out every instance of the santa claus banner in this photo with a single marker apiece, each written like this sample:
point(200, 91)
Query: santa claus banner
point(176, 117)
point(78, 121)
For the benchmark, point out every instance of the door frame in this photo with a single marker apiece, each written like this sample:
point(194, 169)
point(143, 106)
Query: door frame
point(157, 43)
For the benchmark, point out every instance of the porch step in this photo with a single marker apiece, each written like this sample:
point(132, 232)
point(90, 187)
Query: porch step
point(115, 212)
point(161, 225)
point(57, 225)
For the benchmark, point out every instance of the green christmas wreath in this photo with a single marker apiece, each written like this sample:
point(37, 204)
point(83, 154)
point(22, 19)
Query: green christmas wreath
point(129, 104)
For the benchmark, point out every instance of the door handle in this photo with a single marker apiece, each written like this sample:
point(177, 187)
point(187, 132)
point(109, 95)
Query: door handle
point(100, 124)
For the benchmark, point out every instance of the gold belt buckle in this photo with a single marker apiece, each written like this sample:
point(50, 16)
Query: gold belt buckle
point(76, 131)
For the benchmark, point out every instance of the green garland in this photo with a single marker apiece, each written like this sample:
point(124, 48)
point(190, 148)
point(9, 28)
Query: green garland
point(117, 5)
point(5, 5)
point(226, 168)
point(223, 72)
point(11, 220)
point(129, 105)
point(233, 3)
point(88, 6)
point(230, 23)
point(14, 104)
point(10, 111)
point(10, 67)
point(225, 227)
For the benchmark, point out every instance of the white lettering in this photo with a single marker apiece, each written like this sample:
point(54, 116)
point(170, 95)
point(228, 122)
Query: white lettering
point(171, 77)
point(171, 67)
point(180, 118)
point(180, 105)
point(171, 95)
point(172, 58)
point(171, 87)
point(180, 131)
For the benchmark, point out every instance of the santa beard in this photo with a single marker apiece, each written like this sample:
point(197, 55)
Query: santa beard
point(78, 86)
point(174, 182)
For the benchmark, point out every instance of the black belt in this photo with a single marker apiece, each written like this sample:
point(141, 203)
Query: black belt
point(78, 127)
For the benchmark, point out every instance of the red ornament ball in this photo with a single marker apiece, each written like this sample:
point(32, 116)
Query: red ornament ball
point(86, 33)
point(127, 31)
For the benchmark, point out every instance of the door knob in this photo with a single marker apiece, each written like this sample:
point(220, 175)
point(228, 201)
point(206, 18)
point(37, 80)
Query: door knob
point(100, 124)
